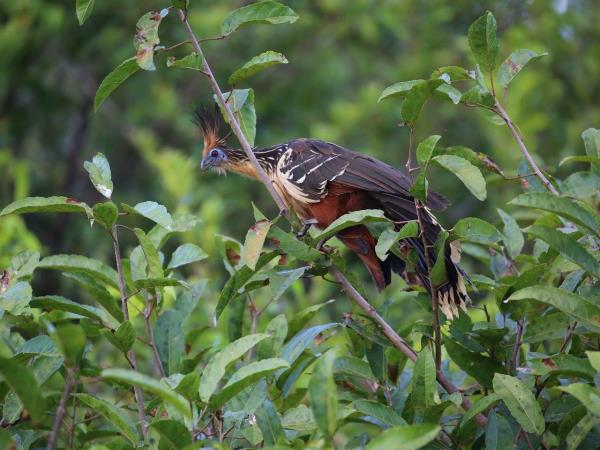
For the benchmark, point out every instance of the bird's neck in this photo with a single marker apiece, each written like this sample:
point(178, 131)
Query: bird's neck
point(241, 164)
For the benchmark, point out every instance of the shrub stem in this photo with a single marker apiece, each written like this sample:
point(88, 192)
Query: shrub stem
point(62, 408)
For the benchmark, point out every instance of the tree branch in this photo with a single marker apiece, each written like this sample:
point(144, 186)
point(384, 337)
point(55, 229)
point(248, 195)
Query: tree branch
point(235, 126)
point(131, 353)
point(150, 333)
point(499, 109)
point(397, 341)
point(62, 408)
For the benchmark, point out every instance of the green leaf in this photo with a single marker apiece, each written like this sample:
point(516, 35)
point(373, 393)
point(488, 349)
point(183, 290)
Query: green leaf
point(399, 89)
point(390, 237)
point(146, 38)
point(475, 230)
point(288, 243)
point(186, 254)
point(15, 300)
point(151, 385)
point(581, 429)
point(587, 394)
point(83, 9)
point(591, 139)
point(480, 367)
point(98, 293)
point(114, 79)
point(241, 103)
point(245, 377)
point(295, 346)
point(105, 214)
point(576, 306)
point(455, 73)
point(21, 380)
point(100, 175)
point(425, 149)
point(238, 280)
point(351, 219)
point(594, 358)
point(299, 419)
point(478, 407)
point(303, 317)
point(116, 416)
point(215, 369)
point(72, 340)
point(564, 207)
point(173, 434)
point(512, 236)
point(281, 281)
point(379, 411)
point(261, 12)
point(170, 340)
point(521, 403)
point(549, 326)
point(478, 96)
point(188, 386)
point(405, 437)
point(466, 172)
point(581, 185)
point(151, 253)
point(416, 98)
point(514, 63)
point(498, 433)
point(256, 64)
point(43, 205)
point(56, 302)
point(322, 392)
point(193, 61)
point(23, 264)
point(155, 212)
point(439, 273)
point(484, 42)
point(277, 329)
point(566, 246)
point(269, 423)
point(255, 239)
point(124, 336)
point(424, 388)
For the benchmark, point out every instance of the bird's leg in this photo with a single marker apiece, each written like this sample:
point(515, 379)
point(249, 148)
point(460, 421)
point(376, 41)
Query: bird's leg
point(305, 227)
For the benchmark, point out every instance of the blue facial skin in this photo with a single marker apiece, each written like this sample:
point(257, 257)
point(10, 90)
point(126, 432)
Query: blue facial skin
point(213, 159)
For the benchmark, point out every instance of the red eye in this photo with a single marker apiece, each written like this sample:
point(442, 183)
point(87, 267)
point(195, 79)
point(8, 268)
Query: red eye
point(214, 153)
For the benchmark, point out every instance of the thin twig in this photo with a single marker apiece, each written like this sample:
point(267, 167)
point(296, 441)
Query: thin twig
point(514, 360)
point(232, 120)
point(499, 109)
point(131, 354)
point(150, 333)
point(397, 341)
point(568, 336)
point(62, 408)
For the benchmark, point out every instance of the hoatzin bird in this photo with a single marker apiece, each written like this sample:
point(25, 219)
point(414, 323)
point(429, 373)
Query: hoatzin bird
point(321, 181)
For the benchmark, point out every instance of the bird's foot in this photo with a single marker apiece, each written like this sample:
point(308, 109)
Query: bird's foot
point(305, 227)
point(321, 247)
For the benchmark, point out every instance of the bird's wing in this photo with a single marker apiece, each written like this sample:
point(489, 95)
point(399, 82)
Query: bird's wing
point(308, 165)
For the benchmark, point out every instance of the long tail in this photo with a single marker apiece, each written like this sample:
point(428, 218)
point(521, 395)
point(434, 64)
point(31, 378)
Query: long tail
point(452, 295)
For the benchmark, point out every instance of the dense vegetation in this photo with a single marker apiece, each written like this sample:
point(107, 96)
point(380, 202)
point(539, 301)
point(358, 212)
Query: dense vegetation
point(137, 315)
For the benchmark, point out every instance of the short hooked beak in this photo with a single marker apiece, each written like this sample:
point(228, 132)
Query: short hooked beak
point(207, 163)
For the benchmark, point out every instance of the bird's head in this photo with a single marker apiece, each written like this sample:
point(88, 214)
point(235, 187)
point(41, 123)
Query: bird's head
point(217, 155)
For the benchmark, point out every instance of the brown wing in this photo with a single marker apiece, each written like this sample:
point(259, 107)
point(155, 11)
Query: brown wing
point(310, 164)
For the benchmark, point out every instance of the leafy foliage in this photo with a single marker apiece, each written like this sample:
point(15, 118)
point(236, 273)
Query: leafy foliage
point(161, 352)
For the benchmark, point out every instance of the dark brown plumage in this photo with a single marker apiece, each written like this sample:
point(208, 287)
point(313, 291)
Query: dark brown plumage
point(322, 181)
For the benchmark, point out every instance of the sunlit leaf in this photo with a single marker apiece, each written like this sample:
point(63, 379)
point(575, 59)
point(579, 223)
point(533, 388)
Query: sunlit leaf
point(576, 306)
point(153, 261)
point(484, 42)
point(153, 211)
point(521, 403)
point(466, 172)
point(100, 175)
point(405, 437)
point(215, 369)
point(16, 298)
point(146, 38)
point(83, 9)
point(116, 416)
point(186, 254)
point(514, 63)
point(151, 385)
point(44, 205)
point(255, 239)
point(567, 246)
point(587, 394)
point(322, 392)
point(256, 64)
point(114, 79)
point(261, 12)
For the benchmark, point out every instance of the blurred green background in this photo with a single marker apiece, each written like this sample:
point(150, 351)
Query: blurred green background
point(342, 54)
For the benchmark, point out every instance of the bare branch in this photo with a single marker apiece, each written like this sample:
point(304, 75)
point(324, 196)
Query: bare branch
point(235, 126)
point(62, 408)
point(150, 333)
point(499, 109)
